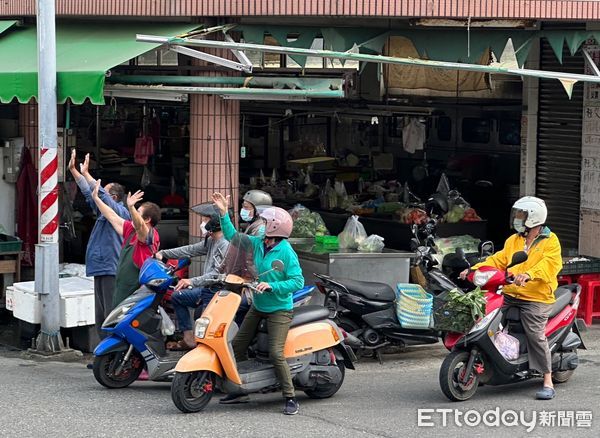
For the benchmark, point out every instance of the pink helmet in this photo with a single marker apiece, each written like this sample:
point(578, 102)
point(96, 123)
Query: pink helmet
point(279, 223)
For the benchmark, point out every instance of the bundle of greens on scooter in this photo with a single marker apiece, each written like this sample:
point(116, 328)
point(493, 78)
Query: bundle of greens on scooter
point(305, 349)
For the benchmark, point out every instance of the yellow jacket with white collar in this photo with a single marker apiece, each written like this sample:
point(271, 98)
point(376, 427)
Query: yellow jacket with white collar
point(543, 264)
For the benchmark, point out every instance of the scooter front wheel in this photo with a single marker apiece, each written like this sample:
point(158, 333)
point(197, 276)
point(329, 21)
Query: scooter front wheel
point(191, 392)
point(110, 370)
point(451, 373)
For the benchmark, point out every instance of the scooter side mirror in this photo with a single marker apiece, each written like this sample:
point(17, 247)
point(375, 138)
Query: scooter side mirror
point(518, 258)
point(486, 248)
point(277, 265)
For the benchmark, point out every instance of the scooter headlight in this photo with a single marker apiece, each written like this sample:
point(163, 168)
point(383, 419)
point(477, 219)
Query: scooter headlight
point(483, 322)
point(200, 327)
point(480, 278)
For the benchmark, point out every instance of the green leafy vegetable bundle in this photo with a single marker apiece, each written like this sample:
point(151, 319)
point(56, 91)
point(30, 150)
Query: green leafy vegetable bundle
point(457, 311)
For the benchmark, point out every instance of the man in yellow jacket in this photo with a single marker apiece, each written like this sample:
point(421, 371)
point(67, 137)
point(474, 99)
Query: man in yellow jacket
point(535, 280)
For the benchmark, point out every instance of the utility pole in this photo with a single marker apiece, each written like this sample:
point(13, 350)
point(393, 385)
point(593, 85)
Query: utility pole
point(49, 340)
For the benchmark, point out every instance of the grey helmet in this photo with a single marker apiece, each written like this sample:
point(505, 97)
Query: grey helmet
point(258, 197)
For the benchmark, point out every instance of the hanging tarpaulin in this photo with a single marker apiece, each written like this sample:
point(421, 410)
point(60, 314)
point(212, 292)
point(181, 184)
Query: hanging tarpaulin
point(399, 78)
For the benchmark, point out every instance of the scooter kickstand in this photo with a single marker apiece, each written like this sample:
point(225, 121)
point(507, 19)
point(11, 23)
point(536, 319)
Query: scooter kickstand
point(379, 356)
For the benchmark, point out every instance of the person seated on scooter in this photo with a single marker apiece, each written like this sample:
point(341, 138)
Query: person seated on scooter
point(535, 280)
point(249, 213)
point(275, 303)
point(197, 291)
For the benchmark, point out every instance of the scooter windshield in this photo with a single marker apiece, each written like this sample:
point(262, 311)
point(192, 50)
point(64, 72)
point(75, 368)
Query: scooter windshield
point(239, 258)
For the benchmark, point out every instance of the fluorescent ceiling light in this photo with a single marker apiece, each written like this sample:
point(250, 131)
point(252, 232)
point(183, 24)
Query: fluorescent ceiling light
point(264, 97)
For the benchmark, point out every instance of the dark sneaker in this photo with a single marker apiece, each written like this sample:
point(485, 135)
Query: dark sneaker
point(291, 407)
point(231, 399)
point(90, 366)
point(546, 393)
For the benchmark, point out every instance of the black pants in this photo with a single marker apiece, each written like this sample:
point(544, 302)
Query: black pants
point(104, 287)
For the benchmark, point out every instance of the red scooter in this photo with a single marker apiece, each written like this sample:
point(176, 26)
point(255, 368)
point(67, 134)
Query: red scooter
point(474, 358)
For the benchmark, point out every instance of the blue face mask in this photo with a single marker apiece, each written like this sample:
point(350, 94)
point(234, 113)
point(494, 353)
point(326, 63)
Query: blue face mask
point(245, 215)
point(261, 230)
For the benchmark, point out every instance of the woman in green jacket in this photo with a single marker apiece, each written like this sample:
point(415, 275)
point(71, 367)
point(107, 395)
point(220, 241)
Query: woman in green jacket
point(275, 303)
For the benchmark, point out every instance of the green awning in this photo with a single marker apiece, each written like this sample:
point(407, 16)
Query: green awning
point(85, 51)
point(5, 24)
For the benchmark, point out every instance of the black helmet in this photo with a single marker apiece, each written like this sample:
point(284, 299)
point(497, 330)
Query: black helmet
point(214, 224)
point(437, 204)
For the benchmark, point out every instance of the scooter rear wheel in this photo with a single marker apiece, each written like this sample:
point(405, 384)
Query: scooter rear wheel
point(191, 392)
point(327, 390)
point(452, 369)
point(562, 376)
point(105, 367)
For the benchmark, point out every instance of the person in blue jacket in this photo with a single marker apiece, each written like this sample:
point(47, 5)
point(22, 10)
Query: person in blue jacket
point(105, 244)
point(275, 302)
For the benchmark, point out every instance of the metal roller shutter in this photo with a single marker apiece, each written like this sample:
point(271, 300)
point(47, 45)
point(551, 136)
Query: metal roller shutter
point(559, 146)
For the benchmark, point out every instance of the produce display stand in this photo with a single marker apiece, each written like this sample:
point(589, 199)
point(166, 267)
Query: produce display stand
point(396, 234)
point(390, 267)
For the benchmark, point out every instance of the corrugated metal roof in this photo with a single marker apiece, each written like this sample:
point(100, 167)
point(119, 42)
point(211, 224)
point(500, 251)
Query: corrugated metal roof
point(518, 9)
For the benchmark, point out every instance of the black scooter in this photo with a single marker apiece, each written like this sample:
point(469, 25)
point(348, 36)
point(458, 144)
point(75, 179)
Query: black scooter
point(366, 312)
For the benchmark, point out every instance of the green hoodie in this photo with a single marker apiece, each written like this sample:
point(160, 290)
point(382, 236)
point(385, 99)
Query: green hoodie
point(283, 284)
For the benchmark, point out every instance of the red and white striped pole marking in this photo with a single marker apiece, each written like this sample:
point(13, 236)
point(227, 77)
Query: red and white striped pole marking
point(48, 195)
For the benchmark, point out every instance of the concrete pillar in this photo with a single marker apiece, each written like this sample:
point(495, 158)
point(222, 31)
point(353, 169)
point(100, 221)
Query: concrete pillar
point(529, 126)
point(214, 149)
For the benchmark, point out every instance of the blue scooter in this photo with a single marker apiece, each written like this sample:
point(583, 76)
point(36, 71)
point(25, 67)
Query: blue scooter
point(136, 331)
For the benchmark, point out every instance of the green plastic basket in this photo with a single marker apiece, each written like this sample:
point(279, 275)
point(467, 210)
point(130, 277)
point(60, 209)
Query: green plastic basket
point(10, 243)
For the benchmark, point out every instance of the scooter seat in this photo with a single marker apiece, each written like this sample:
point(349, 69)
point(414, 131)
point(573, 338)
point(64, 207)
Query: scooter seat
point(563, 298)
point(368, 289)
point(302, 315)
point(306, 314)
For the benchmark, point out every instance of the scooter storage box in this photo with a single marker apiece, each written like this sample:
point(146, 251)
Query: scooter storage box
point(76, 302)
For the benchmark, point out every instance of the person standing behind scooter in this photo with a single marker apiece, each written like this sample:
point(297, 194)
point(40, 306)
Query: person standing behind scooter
point(275, 303)
point(140, 240)
point(535, 280)
point(102, 252)
point(194, 292)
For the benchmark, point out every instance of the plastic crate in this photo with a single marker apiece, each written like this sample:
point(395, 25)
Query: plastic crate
point(581, 267)
point(10, 243)
point(327, 241)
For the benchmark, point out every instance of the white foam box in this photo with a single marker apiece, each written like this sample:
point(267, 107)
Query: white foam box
point(76, 302)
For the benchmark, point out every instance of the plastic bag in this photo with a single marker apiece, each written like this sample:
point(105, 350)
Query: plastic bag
point(167, 326)
point(507, 345)
point(146, 178)
point(373, 243)
point(448, 245)
point(353, 234)
point(307, 224)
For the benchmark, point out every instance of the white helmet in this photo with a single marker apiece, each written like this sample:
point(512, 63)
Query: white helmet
point(534, 208)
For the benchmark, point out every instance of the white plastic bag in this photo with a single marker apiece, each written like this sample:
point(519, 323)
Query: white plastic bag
point(507, 345)
point(167, 326)
point(353, 234)
point(373, 243)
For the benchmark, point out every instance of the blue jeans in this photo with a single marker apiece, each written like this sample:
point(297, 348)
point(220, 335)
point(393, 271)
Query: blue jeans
point(184, 299)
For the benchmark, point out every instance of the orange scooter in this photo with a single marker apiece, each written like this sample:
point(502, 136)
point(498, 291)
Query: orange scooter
point(315, 351)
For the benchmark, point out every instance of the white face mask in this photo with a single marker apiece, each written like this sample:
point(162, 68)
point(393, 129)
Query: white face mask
point(518, 225)
point(203, 228)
